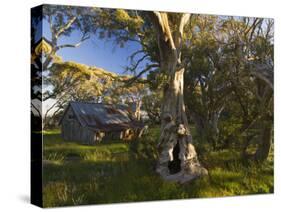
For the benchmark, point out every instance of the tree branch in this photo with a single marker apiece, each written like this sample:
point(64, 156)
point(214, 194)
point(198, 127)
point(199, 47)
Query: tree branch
point(134, 67)
point(37, 110)
point(163, 26)
point(66, 26)
point(131, 57)
point(184, 19)
point(84, 37)
point(133, 79)
point(264, 73)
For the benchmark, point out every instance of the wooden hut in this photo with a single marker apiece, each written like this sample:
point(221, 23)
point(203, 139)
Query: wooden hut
point(90, 123)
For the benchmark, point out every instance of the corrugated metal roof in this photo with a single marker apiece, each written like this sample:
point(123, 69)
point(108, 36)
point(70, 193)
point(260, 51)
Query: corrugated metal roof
point(104, 117)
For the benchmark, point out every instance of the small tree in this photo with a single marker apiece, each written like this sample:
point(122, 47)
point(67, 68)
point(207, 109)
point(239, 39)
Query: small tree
point(72, 81)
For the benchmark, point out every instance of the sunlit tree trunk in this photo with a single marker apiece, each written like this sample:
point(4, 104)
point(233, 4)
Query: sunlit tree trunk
point(183, 165)
point(173, 102)
point(138, 110)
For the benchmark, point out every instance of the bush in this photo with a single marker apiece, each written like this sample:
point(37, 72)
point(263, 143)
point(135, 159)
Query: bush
point(144, 148)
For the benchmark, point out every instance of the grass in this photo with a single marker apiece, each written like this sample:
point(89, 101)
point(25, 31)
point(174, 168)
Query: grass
point(76, 174)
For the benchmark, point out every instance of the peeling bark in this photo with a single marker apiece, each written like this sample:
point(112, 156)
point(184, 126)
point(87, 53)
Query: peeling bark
point(174, 125)
point(178, 158)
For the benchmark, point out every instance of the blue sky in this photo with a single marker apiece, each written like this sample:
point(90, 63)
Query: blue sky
point(94, 51)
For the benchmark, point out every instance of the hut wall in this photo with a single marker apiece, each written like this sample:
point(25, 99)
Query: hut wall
point(71, 128)
point(87, 136)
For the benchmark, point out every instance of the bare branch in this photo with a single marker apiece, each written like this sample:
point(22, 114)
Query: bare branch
point(55, 104)
point(131, 57)
point(37, 110)
point(178, 36)
point(166, 45)
point(184, 19)
point(269, 28)
point(134, 67)
point(84, 37)
point(254, 26)
point(49, 109)
point(147, 68)
point(52, 29)
point(163, 23)
point(66, 26)
point(263, 72)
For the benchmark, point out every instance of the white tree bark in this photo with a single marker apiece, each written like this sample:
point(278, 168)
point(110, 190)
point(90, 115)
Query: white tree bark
point(174, 125)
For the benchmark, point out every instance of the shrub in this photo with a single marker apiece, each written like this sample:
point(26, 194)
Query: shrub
point(144, 148)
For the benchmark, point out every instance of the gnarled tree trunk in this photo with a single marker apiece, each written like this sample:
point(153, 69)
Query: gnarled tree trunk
point(265, 134)
point(207, 126)
point(177, 156)
point(263, 149)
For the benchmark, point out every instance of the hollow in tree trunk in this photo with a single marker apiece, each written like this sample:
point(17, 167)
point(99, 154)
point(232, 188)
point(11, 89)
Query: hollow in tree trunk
point(177, 156)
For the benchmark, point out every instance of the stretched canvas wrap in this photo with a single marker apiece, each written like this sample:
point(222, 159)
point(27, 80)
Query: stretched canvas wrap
point(132, 105)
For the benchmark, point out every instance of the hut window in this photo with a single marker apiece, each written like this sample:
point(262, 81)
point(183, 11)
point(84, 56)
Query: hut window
point(70, 116)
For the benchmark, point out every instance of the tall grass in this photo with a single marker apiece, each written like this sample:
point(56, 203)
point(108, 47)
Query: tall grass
point(76, 174)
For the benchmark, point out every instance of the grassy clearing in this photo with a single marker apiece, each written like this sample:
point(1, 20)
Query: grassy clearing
point(77, 174)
